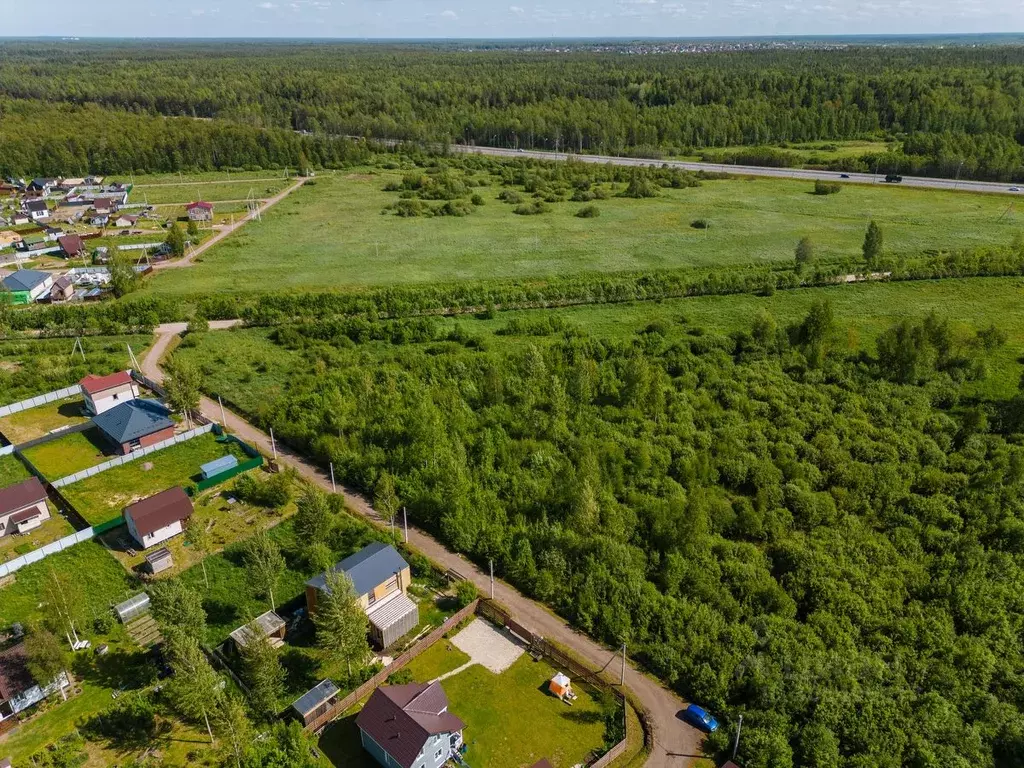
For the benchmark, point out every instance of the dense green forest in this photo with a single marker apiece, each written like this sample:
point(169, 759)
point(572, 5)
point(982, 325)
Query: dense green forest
point(828, 543)
point(952, 105)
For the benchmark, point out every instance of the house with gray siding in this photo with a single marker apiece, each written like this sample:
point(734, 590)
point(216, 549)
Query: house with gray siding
point(409, 726)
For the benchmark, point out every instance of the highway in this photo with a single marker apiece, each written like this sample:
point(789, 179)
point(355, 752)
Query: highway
point(747, 170)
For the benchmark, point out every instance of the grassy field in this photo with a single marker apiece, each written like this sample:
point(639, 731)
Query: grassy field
point(333, 235)
point(440, 658)
point(103, 496)
point(101, 580)
point(12, 470)
point(30, 367)
point(187, 193)
point(35, 422)
point(69, 454)
point(511, 721)
point(186, 178)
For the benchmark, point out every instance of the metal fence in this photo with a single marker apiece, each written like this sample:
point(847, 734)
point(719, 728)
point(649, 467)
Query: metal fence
point(149, 383)
point(133, 456)
point(34, 402)
point(49, 549)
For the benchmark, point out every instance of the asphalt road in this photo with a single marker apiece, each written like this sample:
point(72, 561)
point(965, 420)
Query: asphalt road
point(676, 744)
point(748, 170)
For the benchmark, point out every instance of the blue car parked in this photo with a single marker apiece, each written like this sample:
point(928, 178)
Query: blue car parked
point(700, 718)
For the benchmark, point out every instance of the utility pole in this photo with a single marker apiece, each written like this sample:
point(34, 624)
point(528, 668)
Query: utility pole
point(736, 744)
point(333, 486)
point(492, 577)
point(223, 418)
point(622, 674)
point(958, 168)
point(405, 524)
point(273, 445)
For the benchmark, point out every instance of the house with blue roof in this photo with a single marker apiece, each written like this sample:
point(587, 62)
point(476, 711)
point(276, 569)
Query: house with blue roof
point(381, 577)
point(135, 424)
point(28, 285)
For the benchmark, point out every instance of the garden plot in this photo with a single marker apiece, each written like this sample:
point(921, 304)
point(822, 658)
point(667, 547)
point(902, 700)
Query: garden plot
point(46, 419)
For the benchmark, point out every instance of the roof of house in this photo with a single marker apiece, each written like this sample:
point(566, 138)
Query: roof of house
point(401, 717)
point(14, 675)
point(160, 510)
point(314, 697)
point(199, 204)
point(368, 568)
point(103, 202)
point(36, 205)
point(268, 623)
point(158, 554)
point(62, 283)
point(25, 279)
point(132, 420)
point(94, 384)
point(71, 243)
point(21, 495)
point(25, 514)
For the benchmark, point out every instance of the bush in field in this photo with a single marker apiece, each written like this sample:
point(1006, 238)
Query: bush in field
point(827, 188)
point(588, 212)
point(510, 196)
point(535, 208)
point(700, 224)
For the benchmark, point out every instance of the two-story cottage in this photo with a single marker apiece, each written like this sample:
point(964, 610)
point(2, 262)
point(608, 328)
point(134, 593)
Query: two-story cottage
point(381, 579)
point(409, 726)
point(23, 507)
point(158, 518)
point(101, 393)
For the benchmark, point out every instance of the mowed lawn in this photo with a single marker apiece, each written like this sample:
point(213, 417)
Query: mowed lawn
point(35, 422)
point(439, 659)
point(103, 496)
point(187, 193)
point(333, 235)
point(12, 471)
point(511, 721)
point(70, 453)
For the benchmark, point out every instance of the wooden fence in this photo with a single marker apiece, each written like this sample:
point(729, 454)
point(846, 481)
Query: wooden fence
point(381, 677)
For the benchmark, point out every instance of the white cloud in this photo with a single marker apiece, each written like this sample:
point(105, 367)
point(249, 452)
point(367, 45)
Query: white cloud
point(449, 15)
point(267, 6)
point(516, 9)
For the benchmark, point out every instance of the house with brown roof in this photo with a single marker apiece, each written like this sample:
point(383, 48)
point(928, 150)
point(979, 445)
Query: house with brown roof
point(102, 393)
point(72, 245)
point(62, 290)
point(23, 507)
point(104, 206)
point(199, 211)
point(159, 517)
point(126, 220)
point(18, 690)
point(409, 726)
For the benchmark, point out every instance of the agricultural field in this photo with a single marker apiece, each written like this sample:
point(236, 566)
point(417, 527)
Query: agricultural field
point(103, 496)
point(36, 422)
point(333, 234)
point(187, 178)
point(30, 367)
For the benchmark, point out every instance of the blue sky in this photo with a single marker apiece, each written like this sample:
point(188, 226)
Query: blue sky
point(503, 18)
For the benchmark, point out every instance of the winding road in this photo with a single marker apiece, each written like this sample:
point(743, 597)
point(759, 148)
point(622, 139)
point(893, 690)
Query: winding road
point(675, 744)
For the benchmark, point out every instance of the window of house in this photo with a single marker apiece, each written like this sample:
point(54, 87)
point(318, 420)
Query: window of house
point(438, 754)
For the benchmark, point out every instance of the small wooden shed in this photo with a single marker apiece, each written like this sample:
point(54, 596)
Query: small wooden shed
point(159, 560)
point(315, 702)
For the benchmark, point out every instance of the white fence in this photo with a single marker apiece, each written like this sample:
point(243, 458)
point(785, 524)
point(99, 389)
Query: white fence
point(6, 569)
point(33, 402)
point(7, 450)
point(133, 456)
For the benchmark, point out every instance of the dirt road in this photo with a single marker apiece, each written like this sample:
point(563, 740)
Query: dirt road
point(224, 231)
point(675, 743)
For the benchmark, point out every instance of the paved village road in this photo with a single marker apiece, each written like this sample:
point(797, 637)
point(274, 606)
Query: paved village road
point(676, 744)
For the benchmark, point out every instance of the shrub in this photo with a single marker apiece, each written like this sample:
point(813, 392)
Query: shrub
point(477, 199)
point(401, 677)
point(129, 720)
point(532, 209)
point(510, 196)
point(826, 188)
point(454, 208)
point(588, 212)
point(700, 224)
point(466, 593)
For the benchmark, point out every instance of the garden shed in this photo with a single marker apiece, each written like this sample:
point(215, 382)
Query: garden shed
point(314, 702)
point(132, 608)
point(217, 466)
point(159, 560)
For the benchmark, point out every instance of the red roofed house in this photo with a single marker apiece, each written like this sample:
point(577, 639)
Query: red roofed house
point(102, 393)
point(158, 518)
point(200, 211)
point(104, 206)
point(23, 507)
point(409, 726)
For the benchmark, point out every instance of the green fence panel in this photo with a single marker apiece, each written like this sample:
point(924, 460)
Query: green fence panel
point(104, 527)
